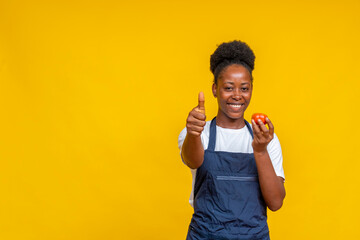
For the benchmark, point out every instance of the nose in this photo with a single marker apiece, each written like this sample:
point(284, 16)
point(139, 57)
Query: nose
point(236, 94)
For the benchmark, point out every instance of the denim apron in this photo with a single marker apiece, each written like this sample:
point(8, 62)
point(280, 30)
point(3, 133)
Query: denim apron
point(228, 203)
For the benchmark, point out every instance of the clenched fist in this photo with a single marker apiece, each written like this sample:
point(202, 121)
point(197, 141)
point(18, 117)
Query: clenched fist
point(196, 120)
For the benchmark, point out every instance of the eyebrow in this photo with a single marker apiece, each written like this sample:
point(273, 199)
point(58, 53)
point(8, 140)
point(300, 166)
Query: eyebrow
point(228, 82)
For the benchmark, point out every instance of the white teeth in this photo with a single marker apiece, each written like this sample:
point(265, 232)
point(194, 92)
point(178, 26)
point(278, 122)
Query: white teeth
point(235, 105)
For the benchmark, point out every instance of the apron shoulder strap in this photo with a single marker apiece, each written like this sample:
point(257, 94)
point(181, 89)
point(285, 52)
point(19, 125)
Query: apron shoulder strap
point(249, 128)
point(212, 137)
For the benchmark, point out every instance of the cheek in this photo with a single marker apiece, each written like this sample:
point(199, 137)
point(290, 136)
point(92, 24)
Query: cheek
point(224, 95)
point(248, 95)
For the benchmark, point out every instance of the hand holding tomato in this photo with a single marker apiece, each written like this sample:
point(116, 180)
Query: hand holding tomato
point(262, 134)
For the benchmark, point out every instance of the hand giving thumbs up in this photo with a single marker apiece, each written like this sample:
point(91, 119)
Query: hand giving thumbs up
point(196, 120)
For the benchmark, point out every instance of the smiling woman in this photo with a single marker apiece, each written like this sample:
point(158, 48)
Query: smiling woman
point(233, 92)
point(237, 167)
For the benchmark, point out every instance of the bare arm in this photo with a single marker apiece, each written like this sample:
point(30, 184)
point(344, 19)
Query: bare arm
point(192, 151)
point(272, 186)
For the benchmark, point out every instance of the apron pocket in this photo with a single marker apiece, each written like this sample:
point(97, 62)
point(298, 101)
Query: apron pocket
point(236, 178)
point(233, 199)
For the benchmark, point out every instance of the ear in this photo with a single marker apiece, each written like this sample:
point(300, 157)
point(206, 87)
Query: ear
point(214, 89)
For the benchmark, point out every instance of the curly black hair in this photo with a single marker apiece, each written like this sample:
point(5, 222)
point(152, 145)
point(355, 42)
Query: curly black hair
point(226, 54)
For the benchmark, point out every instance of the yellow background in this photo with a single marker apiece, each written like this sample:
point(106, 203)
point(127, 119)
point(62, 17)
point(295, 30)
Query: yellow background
point(93, 95)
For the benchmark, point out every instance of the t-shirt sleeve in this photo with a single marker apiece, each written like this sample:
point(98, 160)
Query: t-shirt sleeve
point(275, 153)
point(181, 139)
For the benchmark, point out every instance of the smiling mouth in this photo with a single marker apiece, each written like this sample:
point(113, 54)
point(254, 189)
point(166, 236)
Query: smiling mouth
point(235, 105)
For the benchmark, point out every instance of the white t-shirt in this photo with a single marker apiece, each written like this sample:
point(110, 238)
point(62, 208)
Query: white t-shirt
point(235, 140)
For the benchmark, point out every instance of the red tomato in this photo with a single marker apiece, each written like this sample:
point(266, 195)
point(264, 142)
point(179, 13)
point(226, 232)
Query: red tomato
point(257, 116)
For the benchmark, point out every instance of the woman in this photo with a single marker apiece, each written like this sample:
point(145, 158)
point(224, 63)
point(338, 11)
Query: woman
point(237, 167)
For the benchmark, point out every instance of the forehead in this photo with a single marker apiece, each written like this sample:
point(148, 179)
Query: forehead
point(235, 73)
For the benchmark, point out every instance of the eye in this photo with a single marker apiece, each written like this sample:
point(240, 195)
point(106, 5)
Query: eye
point(244, 89)
point(228, 88)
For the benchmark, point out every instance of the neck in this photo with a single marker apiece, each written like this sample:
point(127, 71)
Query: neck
point(226, 122)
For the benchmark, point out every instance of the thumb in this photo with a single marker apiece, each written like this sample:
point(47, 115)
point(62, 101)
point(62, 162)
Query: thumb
point(201, 105)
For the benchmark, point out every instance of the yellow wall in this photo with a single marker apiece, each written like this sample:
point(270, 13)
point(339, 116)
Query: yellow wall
point(93, 95)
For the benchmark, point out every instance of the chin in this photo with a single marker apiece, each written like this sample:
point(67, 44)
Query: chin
point(235, 116)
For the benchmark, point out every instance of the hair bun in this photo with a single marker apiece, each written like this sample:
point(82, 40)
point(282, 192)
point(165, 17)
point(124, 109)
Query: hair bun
point(232, 52)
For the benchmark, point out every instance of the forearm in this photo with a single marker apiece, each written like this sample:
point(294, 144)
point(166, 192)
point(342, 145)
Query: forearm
point(192, 151)
point(272, 186)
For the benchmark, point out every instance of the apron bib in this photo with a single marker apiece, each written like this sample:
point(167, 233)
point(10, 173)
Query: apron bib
point(228, 203)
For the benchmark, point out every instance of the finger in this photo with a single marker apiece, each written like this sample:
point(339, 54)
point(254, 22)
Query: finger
point(255, 128)
point(198, 115)
point(263, 128)
point(192, 128)
point(194, 121)
point(271, 126)
point(198, 123)
point(196, 128)
point(194, 133)
point(201, 105)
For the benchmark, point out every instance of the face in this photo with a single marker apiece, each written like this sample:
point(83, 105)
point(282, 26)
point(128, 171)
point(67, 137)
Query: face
point(233, 92)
